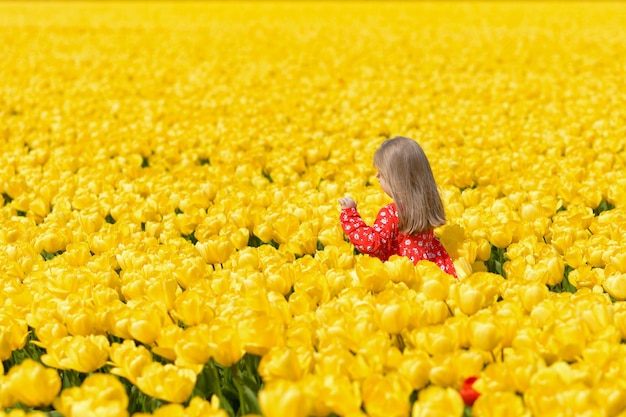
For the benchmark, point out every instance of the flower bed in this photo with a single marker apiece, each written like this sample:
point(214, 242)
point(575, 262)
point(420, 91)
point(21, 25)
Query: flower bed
point(169, 236)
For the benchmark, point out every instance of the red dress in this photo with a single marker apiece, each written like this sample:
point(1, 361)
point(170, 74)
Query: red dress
point(383, 239)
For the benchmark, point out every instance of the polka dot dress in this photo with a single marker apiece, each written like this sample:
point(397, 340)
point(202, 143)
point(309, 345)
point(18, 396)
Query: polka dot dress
point(383, 240)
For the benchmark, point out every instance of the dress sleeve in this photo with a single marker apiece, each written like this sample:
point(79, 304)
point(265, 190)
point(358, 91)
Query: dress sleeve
point(375, 240)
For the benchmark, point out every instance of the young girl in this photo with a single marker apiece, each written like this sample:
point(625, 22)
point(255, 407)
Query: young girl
point(404, 227)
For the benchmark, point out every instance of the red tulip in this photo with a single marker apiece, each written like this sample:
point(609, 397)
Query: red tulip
point(468, 393)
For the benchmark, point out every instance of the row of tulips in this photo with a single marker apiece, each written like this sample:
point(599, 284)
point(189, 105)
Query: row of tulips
point(169, 237)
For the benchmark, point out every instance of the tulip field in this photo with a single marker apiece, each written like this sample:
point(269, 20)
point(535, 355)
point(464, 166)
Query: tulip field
point(169, 220)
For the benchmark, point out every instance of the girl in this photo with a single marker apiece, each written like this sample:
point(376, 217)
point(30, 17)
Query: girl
point(404, 227)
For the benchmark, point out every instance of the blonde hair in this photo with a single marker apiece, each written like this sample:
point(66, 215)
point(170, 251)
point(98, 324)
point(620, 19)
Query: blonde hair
point(404, 167)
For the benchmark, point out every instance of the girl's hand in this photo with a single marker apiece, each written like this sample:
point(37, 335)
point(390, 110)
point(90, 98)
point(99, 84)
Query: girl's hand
point(347, 202)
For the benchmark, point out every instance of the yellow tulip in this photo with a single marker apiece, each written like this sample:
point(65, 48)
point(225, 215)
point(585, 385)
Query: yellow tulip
point(166, 382)
point(435, 401)
point(225, 344)
point(615, 285)
point(401, 269)
point(50, 331)
point(500, 235)
point(470, 363)
point(82, 321)
point(452, 237)
point(574, 256)
point(415, 367)
point(332, 393)
point(13, 334)
point(467, 298)
point(32, 384)
point(386, 396)
point(569, 338)
point(499, 404)
point(145, 325)
point(484, 334)
point(128, 360)
point(438, 339)
point(80, 353)
point(215, 250)
point(611, 396)
point(284, 226)
point(444, 371)
point(394, 318)
point(192, 310)
point(99, 395)
point(531, 295)
point(371, 273)
point(191, 349)
point(166, 342)
point(435, 312)
point(259, 333)
point(280, 363)
point(52, 241)
point(483, 250)
point(77, 254)
point(284, 398)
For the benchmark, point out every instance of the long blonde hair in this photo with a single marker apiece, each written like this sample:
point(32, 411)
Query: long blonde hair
point(404, 166)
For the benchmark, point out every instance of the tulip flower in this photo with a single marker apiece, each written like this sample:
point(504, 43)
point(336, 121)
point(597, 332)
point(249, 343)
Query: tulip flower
point(394, 318)
point(437, 401)
point(500, 404)
point(415, 367)
point(43, 384)
point(216, 250)
point(13, 334)
point(99, 395)
point(225, 345)
point(467, 391)
point(128, 360)
point(484, 334)
point(282, 398)
point(192, 348)
point(615, 286)
point(371, 273)
point(280, 363)
point(166, 382)
point(80, 353)
point(386, 396)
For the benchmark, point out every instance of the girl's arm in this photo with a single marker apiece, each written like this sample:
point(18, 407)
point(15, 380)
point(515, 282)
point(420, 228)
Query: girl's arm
point(375, 240)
